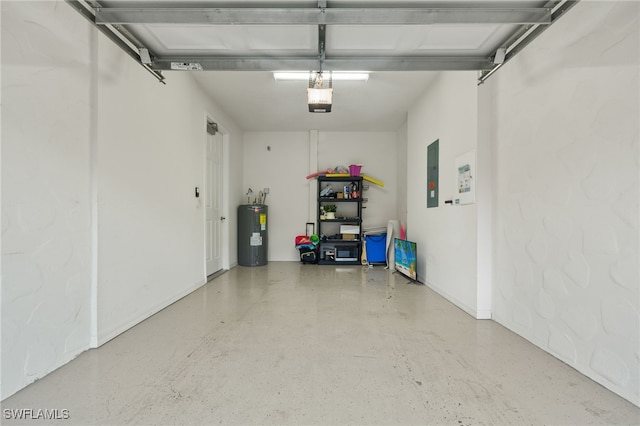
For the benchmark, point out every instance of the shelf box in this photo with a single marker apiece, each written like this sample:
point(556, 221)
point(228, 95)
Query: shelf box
point(350, 229)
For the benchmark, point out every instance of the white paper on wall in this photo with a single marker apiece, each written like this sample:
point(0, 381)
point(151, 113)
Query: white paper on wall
point(465, 178)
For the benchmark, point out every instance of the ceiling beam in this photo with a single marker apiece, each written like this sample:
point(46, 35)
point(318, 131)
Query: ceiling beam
point(389, 63)
point(318, 16)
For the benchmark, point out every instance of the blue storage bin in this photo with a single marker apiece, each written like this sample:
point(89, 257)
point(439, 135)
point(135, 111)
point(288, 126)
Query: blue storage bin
point(376, 248)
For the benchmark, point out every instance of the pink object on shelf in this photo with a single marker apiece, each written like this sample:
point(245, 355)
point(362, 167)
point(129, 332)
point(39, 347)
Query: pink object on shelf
point(354, 169)
point(403, 233)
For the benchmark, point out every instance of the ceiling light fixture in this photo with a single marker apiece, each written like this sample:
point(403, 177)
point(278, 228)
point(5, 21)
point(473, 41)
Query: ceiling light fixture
point(336, 76)
point(320, 92)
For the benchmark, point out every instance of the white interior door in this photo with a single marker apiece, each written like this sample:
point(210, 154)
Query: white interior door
point(213, 203)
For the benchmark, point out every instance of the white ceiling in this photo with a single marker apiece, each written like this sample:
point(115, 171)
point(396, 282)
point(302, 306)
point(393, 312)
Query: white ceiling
point(166, 40)
point(258, 102)
point(239, 49)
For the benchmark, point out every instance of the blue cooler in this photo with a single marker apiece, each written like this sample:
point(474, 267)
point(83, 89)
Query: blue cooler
point(376, 248)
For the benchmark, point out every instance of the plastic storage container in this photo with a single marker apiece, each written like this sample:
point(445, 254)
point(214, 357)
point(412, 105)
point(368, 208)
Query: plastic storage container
point(376, 248)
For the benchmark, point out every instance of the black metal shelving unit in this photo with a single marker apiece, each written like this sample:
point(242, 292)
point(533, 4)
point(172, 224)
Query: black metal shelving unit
point(332, 249)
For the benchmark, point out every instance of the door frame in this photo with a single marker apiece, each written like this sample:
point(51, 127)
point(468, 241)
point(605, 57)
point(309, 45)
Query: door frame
point(225, 193)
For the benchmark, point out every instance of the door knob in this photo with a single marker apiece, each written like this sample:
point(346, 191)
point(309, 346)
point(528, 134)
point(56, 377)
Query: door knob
point(222, 218)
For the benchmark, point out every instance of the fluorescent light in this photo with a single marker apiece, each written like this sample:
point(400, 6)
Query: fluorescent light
point(290, 76)
point(350, 76)
point(336, 75)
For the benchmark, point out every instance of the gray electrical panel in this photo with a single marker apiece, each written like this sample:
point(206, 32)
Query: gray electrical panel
point(253, 236)
point(433, 188)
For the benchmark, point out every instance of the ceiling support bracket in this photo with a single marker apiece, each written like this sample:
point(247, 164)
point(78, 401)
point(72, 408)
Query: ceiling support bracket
point(322, 35)
point(322, 32)
point(524, 37)
point(118, 35)
point(114, 23)
point(297, 63)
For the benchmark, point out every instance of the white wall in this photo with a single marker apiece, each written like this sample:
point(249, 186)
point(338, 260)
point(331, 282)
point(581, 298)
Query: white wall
point(567, 185)
point(485, 201)
point(150, 159)
point(446, 235)
point(100, 227)
point(402, 175)
point(46, 198)
point(293, 156)
point(376, 151)
point(278, 161)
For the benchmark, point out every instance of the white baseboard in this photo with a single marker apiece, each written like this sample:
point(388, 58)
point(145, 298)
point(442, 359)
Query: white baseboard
point(479, 315)
point(484, 314)
point(68, 357)
point(126, 325)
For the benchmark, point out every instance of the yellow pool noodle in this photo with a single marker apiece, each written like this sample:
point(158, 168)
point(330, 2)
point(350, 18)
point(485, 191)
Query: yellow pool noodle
point(372, 180)
point(365, 177)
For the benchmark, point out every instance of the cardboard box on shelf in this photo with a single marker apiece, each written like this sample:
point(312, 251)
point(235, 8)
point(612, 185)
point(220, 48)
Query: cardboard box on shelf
point(350, 229)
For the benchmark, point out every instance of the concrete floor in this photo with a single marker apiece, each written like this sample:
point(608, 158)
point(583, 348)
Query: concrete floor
point(304, 344)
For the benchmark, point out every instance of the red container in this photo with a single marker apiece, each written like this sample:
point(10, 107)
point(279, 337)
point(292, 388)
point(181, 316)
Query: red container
point(354, 169)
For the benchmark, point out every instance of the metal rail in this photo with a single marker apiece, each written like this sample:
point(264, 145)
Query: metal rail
point(329, 16)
